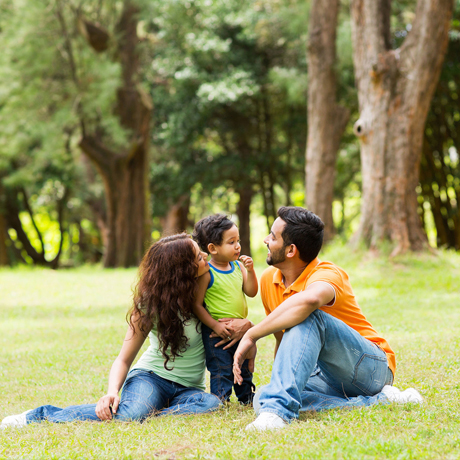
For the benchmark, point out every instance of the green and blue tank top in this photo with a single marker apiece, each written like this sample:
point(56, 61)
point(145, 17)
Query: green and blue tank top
point(187, 369)
point(225, 297)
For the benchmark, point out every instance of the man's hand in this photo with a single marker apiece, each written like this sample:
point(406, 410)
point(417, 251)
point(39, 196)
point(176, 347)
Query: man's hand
point(236, 328)
point(104, 404)
point(247, 349)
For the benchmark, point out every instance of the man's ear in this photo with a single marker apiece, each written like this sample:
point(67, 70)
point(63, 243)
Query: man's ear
point(212, 248)
point(292, 250)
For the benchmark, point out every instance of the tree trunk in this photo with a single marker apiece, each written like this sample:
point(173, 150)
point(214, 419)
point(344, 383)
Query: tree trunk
point(4, 259)
point(244, 214)
point(125, 172)
point(326, 119)
point(395, 88)
point(176, 219)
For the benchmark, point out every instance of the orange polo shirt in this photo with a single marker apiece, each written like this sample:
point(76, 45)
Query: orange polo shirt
point(344, 307)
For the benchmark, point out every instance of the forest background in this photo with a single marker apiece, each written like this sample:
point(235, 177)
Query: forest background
point(123, 120)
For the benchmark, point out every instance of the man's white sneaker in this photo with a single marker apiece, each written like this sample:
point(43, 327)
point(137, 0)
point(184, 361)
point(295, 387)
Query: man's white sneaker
point(17, 421)
point(266, 421)
point(411, 395)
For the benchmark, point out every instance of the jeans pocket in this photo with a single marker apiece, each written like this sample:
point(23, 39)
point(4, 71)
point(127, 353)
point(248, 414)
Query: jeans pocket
point(370, 374)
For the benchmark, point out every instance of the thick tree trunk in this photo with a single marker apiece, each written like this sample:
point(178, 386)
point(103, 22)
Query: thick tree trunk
point(4, 259)
point(244, 215)
point(176, 220)
point(326, 119)
point(125, 172)
point(395, 88)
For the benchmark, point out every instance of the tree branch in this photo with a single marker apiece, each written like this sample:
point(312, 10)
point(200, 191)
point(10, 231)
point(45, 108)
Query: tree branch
point(425, 46)
point(97, 151)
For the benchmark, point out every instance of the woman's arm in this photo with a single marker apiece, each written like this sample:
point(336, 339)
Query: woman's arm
point(202, 314)
point(119, 370)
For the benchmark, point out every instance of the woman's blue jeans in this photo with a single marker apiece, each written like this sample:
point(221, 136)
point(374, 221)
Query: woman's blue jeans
point(144, 394)
point(322, 363)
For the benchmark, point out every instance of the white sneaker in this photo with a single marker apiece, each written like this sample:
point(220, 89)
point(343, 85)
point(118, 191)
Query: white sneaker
point(266, 421)
point(17, 421)
point(411, 395)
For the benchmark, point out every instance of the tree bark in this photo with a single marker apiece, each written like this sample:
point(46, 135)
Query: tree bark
point(176, 220)
point(4, 258)
point(244, 215)
point(395, 88)
point(326, 119)
point(125, 172)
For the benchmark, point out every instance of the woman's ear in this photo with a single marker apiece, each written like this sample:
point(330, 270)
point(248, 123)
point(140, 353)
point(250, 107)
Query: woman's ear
point(212, 248)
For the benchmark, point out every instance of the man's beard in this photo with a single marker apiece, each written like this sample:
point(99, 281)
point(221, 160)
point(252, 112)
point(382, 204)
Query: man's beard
point(276, 257)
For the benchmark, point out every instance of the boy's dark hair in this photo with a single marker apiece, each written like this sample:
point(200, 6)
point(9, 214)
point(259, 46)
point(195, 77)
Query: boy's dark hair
point(210, 230)
point(304, 229)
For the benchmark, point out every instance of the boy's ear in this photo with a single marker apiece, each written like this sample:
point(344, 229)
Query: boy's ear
point(212, 248)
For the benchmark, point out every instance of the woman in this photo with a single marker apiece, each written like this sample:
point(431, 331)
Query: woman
point(169, 376)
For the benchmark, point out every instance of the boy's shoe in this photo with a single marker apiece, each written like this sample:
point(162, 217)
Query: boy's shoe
point(17, 421)
point(411, 395)
point(266, 421)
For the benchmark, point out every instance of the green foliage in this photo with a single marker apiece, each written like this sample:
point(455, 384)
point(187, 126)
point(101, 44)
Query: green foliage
point(231, 96)
point(439, 191)
point(51, 84)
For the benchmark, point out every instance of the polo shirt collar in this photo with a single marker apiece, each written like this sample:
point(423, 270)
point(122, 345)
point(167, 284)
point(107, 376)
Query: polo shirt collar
point(299, 284)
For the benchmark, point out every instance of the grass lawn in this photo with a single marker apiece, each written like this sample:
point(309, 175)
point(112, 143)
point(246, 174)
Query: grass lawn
point(61, 330)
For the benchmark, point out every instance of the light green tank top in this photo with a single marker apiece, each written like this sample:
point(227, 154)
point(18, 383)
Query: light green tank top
point(224, 297)
point(188, 369)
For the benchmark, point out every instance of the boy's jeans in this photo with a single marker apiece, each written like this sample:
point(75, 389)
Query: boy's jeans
point(144, 393)
point(220, 364)
point(322, 364)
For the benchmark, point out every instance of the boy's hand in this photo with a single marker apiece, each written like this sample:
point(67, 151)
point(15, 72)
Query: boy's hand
point(248, 263)
point(221, 330)
point(236, 327)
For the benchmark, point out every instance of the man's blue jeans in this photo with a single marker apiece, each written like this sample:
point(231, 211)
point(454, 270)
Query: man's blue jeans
point(323, 364)
point(144, 394)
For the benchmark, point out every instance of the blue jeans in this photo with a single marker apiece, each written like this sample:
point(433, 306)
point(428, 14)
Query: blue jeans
point(144, 394)
point(220, 364)
point(323, 364)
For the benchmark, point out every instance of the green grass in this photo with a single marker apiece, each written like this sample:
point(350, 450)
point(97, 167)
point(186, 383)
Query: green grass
point(60, 331)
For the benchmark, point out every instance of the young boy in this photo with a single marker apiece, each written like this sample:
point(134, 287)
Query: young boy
point(223, 289)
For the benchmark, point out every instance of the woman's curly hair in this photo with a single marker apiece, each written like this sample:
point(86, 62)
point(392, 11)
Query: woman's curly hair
point(165, 293)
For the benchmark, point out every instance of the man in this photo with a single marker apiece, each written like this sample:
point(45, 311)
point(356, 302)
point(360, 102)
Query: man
point(329, 355)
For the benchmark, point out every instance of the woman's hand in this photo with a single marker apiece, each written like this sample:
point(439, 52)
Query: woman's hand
point(104, 404)
point(236, 328)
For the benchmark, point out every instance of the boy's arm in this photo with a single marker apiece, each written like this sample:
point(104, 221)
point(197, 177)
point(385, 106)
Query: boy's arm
point(202, 314)
point(250, 285)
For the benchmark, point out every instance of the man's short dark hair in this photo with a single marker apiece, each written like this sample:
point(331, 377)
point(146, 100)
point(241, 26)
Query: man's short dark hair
point(304, 229)
point(211, 230)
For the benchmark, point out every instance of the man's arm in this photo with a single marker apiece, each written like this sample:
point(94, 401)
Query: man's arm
point(291, 312)
point(294, 310)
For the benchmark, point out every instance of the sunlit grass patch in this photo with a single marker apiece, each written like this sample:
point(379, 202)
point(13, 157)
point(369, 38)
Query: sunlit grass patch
point(60, 331)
